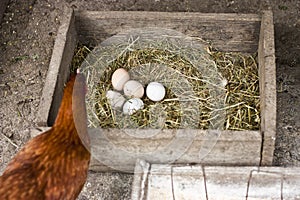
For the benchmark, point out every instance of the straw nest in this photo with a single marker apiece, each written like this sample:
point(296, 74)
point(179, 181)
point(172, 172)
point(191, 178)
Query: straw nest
point(228, 98)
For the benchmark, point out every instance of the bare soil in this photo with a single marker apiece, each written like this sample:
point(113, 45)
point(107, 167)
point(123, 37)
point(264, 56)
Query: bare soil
point(27, 36)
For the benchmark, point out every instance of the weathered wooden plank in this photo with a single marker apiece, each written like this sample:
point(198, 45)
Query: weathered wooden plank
point(58, 71)
point(222, 182)
point(111, 147)
point(264, 184)
point(227, 182)
point(291, 184)
point(159, 182)
point(227, 152)
point(252, 182)
point(267, 82)
point(287, 177)
point(227, 32)
point(188, 182)
point(116, 148)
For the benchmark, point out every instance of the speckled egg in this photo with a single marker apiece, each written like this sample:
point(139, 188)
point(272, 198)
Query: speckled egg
point(119, 78)
point(132, 105)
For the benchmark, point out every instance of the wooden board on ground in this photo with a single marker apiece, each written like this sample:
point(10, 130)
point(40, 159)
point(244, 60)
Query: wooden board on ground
point(214, 182)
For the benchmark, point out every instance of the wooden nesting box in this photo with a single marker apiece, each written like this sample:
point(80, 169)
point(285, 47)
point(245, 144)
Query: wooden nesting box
point(158, 181)
point(246, 33)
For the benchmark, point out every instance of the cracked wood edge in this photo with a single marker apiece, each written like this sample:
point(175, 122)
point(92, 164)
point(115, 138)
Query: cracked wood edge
point(267, 81)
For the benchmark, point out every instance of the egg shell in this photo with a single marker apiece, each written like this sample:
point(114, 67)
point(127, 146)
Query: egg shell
point(133, 88)
point(115, 99)
point(155, 91)
point(119, 78)
point(132, 105)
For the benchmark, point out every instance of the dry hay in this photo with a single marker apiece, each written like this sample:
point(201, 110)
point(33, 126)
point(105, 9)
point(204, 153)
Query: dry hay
point(238, 71)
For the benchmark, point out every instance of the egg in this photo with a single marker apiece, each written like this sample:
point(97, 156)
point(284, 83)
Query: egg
point(132, 105)
point(116, 99)
point(119, 78)
point(155, 91)
point(133, 88)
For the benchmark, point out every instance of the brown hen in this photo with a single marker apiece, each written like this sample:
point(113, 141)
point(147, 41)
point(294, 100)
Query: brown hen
point(54, 164)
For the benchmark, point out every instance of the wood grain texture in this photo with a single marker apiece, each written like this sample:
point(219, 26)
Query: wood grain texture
point(115, 150)
point(188, 182)
point(160, 182)
point(58, 71)
point(227, 182)
point(227, 32)
point(267, 81)
point(119, 150)
point(219, 182)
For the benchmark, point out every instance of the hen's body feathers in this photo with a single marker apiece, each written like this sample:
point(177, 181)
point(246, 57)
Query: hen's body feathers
point(54, 164)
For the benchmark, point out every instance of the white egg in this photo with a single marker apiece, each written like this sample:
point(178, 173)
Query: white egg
point(116, 99)
point(133, 88)
point(155, 91)
point(119, 78)
point(132, 105)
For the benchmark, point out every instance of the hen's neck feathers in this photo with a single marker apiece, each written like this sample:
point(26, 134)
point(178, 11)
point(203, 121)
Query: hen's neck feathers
point(71, 120)
point(72, 109)
point(65, 112)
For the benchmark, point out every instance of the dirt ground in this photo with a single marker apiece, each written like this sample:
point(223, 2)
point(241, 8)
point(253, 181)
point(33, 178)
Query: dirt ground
point(27, 36)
